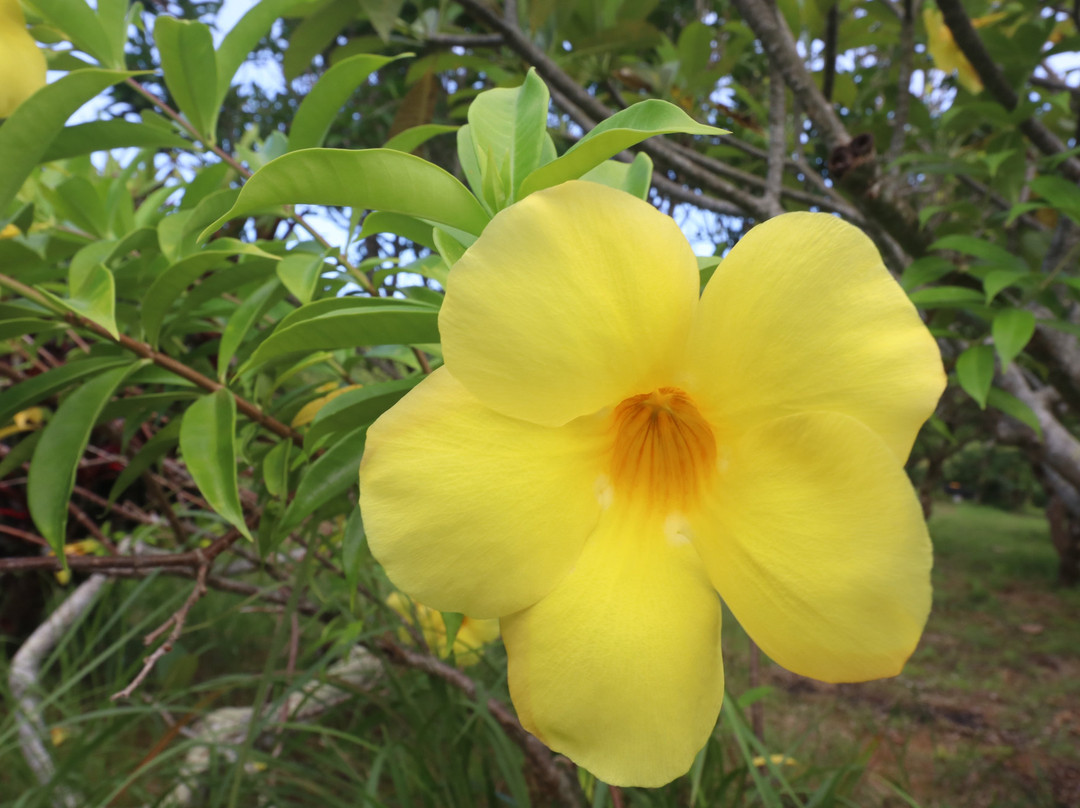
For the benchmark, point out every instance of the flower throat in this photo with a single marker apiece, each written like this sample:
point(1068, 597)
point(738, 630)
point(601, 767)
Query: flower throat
point(663, 451)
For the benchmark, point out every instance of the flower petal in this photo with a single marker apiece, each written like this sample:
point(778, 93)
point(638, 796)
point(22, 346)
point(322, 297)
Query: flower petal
point(802, 315)
point(816, 541)
point(619, 667)
point(470, 511)
point(571, 300)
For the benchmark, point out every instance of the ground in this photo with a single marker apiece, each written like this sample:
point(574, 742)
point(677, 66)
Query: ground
point(987, 711)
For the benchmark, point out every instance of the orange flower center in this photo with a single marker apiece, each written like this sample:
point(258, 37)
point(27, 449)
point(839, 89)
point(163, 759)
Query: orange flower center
point(663, 450)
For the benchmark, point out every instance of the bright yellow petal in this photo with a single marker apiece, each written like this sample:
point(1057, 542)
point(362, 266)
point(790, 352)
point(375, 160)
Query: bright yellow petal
point(803, 316)
point(619, 667)
point(816, 541)
point(571, 300)
point(22, 64)
point(470, 511)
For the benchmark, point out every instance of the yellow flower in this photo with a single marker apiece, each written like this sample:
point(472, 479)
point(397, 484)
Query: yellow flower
point(776, 760)
point(22, 64)
point(311, 409)
point(9, 231)
point(604, 451)
point(472, 635)
point(946, 53)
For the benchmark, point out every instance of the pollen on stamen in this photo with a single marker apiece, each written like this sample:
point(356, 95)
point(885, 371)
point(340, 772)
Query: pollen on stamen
point(663, 450)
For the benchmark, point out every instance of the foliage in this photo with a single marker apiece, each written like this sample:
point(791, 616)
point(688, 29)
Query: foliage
point(210, 306)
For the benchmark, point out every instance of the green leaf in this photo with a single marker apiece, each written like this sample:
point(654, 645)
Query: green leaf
point(1010, 405)
point(243, 39)
point(357, 408)
point(449, 248)
point(243, 320)
point(328, 477)
point(987, 251)
point(208, 444)
point(190, 67)
point(151, 451)
point(315, 33)
point(352, 553)
point(622, 130)
point(37, 388)
point(508, 127)
point(1012, 329)
point(94, 298)
point(324, 101)
point(26, 136)
point(924, 270)
point(171, 283)
point(975, 372)
point(1059, 192)
point(78, 20)
point(416, 136)
point(56, 459)
point(276, 469)
point(413, 229)
point(300, 272)
point(27, 325)
point(634, 178)
point(394, 322)
point(1001, 279)
point(378, 179)
point(383, 15)
point(945, 297)
point(84, 138)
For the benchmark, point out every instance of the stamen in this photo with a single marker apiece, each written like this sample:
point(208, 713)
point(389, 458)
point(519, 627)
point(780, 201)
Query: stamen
point(663, 449)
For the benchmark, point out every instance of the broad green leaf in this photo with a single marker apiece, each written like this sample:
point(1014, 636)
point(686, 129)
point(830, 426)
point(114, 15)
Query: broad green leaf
point(152, 451)
point(1059, 192)
point(1012, 329)
point(324, 101)
point(190, 67)
point(208, 445)
point(393, 323)
point(416, 136)
point(328, 477)
point(276, 469)
point(975, 372)
point(378, 179)
point(86, 31)
point(329, 305)
point(26, 136)
point(243, 39)
point(19, 454)
point(383, 15)
point(409, 227)
point(924, 270)
point(1001, 279)
point(634, 178)
point(37, 388)
point(84, 138)
point(449, 248)
point(509, 126)
point(56, 459)
point(1010, 405)
point(243, 321)
point(622, 130)
point(315, 33)
point(27, 325)
point(300, 272)
point(94, 298)
point(945, 297)
point(171, 284)
point(987, 251)
point(357, 407)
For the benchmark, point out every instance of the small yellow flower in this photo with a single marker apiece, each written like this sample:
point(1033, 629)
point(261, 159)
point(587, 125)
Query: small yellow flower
point(22, 64)
point(605, 449)
point(776, 760)
point(472, 635)
point(308, 412)
point(946, 53)
point(77, 548)
point(9, 231)
point(25, 421)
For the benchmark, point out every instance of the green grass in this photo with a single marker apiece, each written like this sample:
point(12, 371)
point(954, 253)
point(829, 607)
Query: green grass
point(984, 714)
